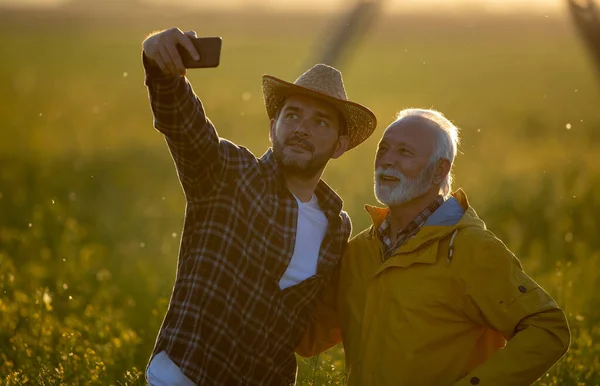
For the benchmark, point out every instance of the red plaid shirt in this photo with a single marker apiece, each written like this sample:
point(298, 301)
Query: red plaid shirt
point(410, 230)
point(228, 322)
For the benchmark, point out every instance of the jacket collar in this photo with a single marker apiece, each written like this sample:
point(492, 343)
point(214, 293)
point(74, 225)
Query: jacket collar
point(432, 231)
point(378, 214)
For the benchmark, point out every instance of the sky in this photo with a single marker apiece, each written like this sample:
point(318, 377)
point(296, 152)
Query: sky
point(332, 5)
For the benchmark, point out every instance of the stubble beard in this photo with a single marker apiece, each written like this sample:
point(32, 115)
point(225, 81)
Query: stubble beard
point(304, 169)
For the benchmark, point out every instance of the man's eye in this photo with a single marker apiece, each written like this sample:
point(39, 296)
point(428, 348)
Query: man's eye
point(405, 151)
point(322, 123)
point(291, 116)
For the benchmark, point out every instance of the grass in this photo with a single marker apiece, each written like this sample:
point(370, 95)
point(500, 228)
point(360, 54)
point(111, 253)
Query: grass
point(91, 209)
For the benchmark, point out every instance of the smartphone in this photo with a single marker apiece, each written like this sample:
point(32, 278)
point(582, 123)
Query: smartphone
point(209, 49)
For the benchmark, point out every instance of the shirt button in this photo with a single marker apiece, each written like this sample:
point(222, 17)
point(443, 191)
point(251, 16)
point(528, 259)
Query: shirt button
point(522, 288)
point(474, 381)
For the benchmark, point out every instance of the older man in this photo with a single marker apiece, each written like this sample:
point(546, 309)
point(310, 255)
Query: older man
point(427, 295)
point(261, 235)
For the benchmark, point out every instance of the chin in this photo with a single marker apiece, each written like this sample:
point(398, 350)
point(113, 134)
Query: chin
point(389, 196)
point(382, 194)
point(297, 156)
point(295, 162)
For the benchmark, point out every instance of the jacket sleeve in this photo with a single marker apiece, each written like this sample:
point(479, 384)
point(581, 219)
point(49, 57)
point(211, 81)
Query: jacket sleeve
point(323, 329)
point(202, 158)
point(502, 297)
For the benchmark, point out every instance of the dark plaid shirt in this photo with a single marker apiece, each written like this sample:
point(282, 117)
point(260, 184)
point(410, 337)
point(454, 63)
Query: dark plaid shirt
point(410, 230)
point(228, 322)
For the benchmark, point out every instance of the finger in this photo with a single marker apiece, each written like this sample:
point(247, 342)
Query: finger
point(187, 44)
point(171, 68)
point(176, 58)
point(160, 63)
point(162, 52)
point(151, 52)
point(191, 34)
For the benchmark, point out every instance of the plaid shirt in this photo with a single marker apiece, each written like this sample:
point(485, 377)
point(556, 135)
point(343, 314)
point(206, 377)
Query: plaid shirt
point(410, 230)
point(228, 322)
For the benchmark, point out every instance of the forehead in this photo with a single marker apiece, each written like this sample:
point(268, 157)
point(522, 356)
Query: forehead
point(305, 102)
point(416, 132)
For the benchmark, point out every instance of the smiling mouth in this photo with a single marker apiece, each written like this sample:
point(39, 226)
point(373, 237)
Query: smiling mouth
point(389, 179)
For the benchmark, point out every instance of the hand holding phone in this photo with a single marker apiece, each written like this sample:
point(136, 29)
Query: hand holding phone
point(174, 51)
point(209, 50)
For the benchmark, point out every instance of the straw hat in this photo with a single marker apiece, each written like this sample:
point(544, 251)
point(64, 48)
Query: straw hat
point(325, 83)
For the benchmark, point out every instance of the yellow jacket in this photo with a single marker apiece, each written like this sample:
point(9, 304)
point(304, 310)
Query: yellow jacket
point(440, 310)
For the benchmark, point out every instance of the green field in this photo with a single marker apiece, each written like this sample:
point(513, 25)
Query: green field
point(91, 209)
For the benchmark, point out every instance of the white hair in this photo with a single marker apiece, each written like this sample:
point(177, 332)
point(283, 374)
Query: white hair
point(447, 142)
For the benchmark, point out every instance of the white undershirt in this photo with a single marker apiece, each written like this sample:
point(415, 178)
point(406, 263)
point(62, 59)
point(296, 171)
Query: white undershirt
point(311, 228)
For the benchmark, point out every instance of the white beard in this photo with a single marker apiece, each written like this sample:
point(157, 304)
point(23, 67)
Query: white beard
point(405, 190)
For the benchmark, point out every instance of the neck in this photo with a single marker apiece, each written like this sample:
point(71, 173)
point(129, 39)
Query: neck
point(302, 188)
point(402, 214)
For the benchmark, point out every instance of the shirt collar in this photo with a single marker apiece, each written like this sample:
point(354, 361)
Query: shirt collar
point(419, 219)
point(329, 201)
point(411, 229)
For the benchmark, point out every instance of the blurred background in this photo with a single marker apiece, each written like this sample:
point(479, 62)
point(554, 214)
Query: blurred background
point(91, 209)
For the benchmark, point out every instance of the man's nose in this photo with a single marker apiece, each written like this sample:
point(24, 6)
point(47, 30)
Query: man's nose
point(386, 160)
point(303, 127)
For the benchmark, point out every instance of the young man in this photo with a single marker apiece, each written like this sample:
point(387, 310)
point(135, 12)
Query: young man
point(261, 235)
point(427, 295)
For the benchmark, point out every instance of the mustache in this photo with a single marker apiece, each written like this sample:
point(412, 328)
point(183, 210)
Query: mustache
point(296, 140)
point(389, 172)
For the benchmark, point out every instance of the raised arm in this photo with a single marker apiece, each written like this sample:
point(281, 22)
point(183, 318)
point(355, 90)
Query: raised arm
point(202, 159)
point(502, 297)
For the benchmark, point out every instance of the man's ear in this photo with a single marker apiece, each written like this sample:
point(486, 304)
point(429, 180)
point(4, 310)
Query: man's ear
point(342, 145)
point(272, 125)
point(441, 170)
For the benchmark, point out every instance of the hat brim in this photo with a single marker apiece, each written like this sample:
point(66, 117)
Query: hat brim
point(360, 121)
